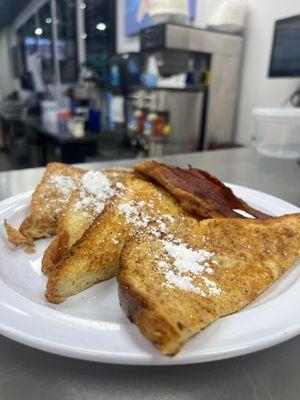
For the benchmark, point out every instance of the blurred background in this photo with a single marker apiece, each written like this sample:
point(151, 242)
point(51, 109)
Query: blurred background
point(92, 80)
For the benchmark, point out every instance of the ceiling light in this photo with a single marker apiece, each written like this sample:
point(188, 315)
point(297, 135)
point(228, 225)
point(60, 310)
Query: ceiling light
point(83, 36)
point(48, 20)
point(82, 6)
point(38, 31)
point(101, 26)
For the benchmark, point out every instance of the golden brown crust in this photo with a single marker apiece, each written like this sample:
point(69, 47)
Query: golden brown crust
point(142, 309)
point(73, 223)
point(55, 252)
point(15, 237)
point(95, 256)
point(30, 249)
point(48, 201)
point(197, 191)
point(250, 256)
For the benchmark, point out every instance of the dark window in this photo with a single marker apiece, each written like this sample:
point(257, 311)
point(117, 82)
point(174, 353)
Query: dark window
point(67, 43)
point(100, 35)
point(21, 35)
point(31, 40)
point(45, 43)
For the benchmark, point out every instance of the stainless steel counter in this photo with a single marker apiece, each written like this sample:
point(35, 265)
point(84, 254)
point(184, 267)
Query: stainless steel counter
point(27, 373)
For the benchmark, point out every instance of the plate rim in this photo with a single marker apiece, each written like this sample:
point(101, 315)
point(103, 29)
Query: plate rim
point(72, 351)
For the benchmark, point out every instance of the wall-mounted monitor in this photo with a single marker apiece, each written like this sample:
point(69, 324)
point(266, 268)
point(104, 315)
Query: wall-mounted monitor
point(285, 56)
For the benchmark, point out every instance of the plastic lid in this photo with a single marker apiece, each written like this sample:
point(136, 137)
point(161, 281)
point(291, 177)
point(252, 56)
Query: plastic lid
point(277, 112)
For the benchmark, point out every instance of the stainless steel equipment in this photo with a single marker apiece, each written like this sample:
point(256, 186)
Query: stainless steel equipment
point(182, 110)
point(171, 42)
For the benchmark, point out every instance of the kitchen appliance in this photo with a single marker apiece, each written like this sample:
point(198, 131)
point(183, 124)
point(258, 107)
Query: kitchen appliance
point(175, 45)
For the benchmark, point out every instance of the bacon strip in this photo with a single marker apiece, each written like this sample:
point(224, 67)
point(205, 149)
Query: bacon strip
point(197, 191)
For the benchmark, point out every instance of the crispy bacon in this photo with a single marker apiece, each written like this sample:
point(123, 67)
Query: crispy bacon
point(197, 191)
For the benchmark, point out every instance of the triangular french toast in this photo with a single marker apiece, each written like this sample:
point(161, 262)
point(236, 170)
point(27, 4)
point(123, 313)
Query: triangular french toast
point(48, 201)
point(95, 257)
point(175, 286)
point(97, 187)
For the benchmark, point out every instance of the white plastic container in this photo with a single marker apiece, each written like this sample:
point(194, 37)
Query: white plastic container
point(49, 111)
point(168, 11)
point(230, 16)
point(277, 132)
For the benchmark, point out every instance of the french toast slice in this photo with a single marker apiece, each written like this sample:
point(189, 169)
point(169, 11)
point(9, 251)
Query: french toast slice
point(47, 202)
point(198, 192)
point(15, 237)
point(173, 288)
point(95, 257)
point(96, 188)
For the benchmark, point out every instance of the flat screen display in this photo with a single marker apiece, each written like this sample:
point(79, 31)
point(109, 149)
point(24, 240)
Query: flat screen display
point(285, 58)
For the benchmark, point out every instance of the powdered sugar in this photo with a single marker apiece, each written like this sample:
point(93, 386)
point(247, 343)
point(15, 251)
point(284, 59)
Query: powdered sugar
point(182, 282)
point(62, 187)
point(96, 183)
point(162, 264)
point(213, 288)
point(134, 215)
point(141, 215)
point(120, 185)
point(95, 191)
point(169, 218)
point(184, 264)
point(187, 260)
point(63, 184)
point(209, 271)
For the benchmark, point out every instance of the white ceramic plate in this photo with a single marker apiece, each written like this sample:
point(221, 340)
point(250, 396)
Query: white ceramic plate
point(91, 325)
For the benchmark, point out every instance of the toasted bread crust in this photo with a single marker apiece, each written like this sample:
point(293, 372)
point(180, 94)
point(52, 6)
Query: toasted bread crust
point(84, 249)
point(143, 310)
point(15, 237)
point(169, 316)
point(95, 257)
point(55, 252)
point(48, 202)
point(73, 223)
